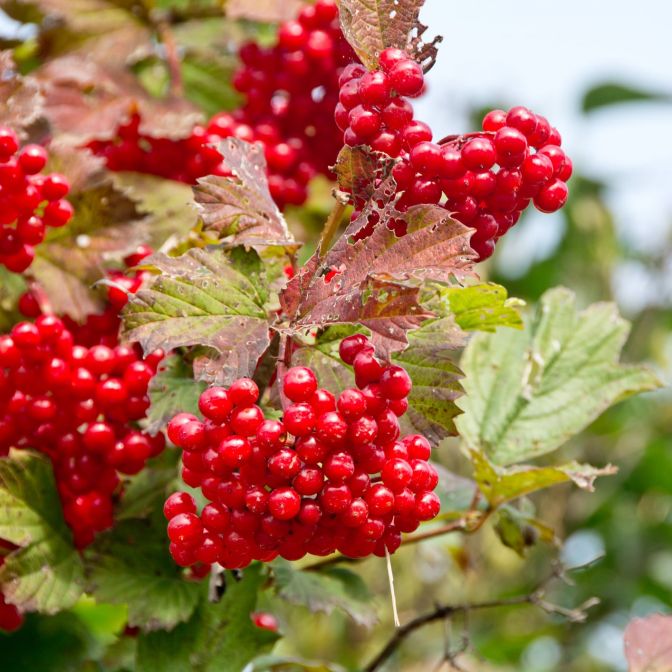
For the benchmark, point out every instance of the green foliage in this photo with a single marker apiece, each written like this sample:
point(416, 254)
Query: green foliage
point(615, 93)
point(218, 636)
point(172, 390)
point(130, 565)
point(325, 590)
point(46, 572)
point(528, 392)
point(482, 307)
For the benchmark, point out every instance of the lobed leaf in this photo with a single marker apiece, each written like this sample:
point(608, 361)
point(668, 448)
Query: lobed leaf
point(500, 485)
point(46, 573)
point(372, 25)
point(240, 208)
point(430, 361)
point(324, 591)
point(358, 170)
point(218, 636)
point(528, 392)
point(86, 100)
point(204, 298)
point(374, 281)
point(130, 565)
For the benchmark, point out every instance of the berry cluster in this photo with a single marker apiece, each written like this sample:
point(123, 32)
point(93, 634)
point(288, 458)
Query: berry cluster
point(29, 201)
point(289, 89)
point(486, 179)
point(79, 406)
point(333, 474)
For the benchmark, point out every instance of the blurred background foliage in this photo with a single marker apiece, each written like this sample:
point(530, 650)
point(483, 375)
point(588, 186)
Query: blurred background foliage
point(621, 536)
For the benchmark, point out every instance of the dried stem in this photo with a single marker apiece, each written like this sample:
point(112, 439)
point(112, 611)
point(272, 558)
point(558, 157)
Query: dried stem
point(442, 612)
point(172, 57)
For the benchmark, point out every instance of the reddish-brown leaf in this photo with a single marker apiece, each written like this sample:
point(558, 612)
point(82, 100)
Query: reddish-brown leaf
point(20, 97)
point(106, 224)
point(359, 168)
point(648, 644)
point(375, 281)
point(240, 208)
point(85, 100)
point(372, 25)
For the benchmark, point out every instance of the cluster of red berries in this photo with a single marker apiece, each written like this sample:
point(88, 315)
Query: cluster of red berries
point(333, 474)
point(80, 407)
point(29, 201)
point(486, 179)
point(290, 90)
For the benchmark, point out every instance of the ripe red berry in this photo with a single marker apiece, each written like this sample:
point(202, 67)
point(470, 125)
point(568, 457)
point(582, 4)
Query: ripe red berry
point(179, 502)
point(299, 384)
point(351, 346)
point(284, 503)
point(395, 383)
point(406, 77)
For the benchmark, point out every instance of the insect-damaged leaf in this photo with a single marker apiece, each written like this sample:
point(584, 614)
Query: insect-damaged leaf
point(374, 281)
point(372, 25)
point(358, 170)
point(240, 208)
point(205, 298)
point(20, 97)
point(106, 224)
point(530, 391)
point(85, 100)
point(46, 573)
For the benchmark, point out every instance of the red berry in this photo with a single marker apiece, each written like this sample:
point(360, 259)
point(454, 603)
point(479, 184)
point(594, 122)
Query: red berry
point(299, 384)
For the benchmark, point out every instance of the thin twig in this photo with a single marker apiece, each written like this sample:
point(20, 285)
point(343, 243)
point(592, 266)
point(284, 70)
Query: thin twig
point(284, 362)
point(172, 57)
point(440, 613)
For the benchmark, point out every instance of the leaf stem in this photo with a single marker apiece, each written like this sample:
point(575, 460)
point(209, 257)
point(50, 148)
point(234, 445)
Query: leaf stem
point(331, 226)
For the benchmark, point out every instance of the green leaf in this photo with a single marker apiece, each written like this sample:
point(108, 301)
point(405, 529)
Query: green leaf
point(12, 285)
point(528, 392)
point(329, 589)
point(614, 93)
point(130, 564)
point(520, 532)
point(500, 485)
point(273, 663)
point(46, 573)
point(372, 25)
point(218, 636)
point(482, 307)
point(430, 361)
point(167, 205)
point(146, 492)
point(172, 390)
point(207, 74)
point(205, 298)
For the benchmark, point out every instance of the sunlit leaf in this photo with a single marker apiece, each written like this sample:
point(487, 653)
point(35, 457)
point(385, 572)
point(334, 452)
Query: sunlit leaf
point(482, 307)
point(527, 392)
